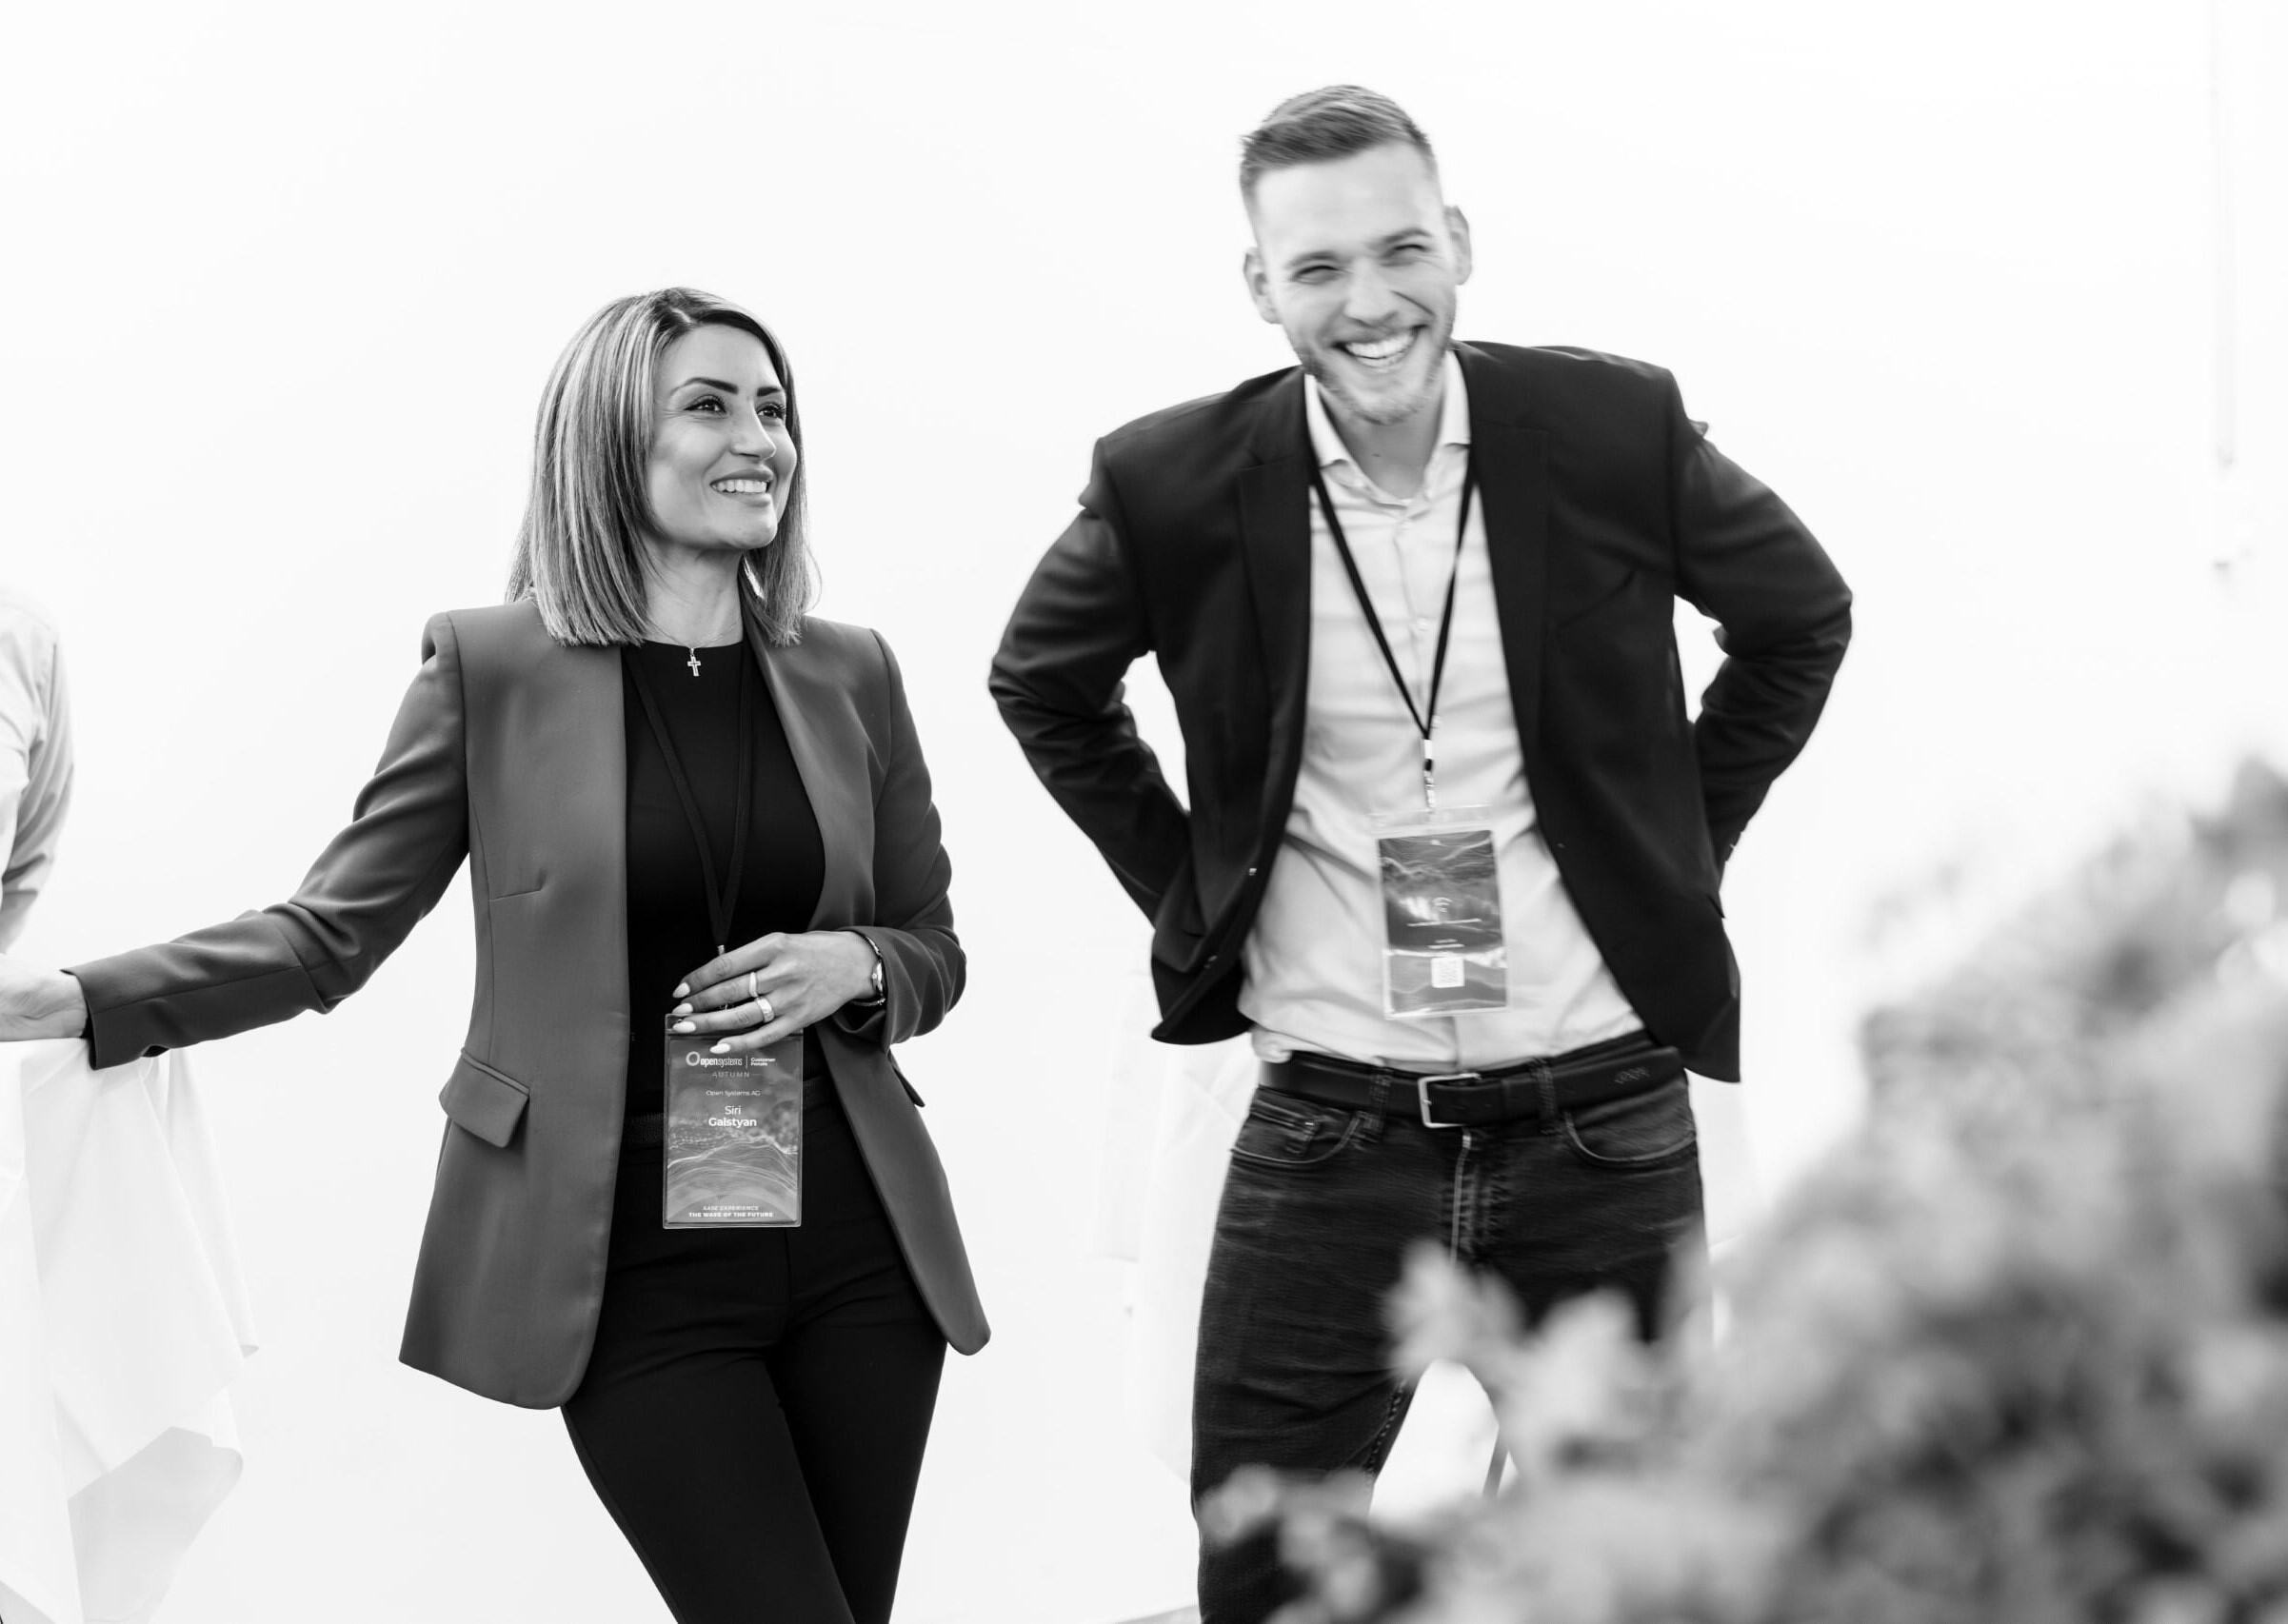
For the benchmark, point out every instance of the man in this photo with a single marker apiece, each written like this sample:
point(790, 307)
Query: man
point(1452, 847)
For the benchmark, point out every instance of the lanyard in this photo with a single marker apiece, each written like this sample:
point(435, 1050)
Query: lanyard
point(718, 901)
point(1426, 716)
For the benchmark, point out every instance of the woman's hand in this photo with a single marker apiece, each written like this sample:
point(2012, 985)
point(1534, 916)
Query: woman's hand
point(39, 1003)
point(805, 977)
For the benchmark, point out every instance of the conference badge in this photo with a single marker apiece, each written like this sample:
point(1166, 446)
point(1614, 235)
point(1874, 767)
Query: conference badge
point(1443, 951)
point(733, 1157)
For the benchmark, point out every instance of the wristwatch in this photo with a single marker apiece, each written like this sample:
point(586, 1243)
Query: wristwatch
point(879, 992)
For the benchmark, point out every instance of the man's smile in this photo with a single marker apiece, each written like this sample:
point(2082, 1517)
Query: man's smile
point(1381, 354)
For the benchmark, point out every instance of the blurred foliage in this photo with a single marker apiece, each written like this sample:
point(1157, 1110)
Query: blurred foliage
point(2018, 1351)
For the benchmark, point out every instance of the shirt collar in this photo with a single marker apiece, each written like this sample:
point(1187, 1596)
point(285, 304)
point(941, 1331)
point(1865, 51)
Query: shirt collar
point(1453, 417)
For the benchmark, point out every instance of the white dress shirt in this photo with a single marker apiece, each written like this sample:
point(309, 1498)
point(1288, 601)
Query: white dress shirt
point(1314, 958)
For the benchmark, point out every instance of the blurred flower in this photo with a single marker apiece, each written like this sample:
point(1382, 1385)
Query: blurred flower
point(2017, 1353)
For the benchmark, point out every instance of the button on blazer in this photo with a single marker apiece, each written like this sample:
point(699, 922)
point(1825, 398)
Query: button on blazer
point(510, 751)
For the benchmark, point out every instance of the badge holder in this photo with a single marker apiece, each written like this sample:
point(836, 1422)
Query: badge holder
point(733, 1134)
point(1444, 950)
point(733, 1158)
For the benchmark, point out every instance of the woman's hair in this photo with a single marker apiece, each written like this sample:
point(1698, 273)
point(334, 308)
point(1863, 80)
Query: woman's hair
point(579, 552)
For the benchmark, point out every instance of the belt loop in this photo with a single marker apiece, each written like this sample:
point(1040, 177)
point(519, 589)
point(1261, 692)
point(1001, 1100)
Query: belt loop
point(1377, 1104)
point(1544, 1083)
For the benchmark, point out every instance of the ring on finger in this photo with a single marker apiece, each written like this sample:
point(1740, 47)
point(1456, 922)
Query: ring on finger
point(769, 1014)
point(752, 990)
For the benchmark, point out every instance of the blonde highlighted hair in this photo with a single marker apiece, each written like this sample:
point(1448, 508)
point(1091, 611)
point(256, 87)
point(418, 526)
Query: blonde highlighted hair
point(579, 552)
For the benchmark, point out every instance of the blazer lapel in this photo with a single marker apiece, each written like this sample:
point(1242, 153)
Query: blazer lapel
point(580, 762)
point(822, 734)
point(1513, 480)
point(1275, 539)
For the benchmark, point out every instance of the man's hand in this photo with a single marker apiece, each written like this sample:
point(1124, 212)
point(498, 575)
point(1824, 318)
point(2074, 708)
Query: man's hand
point(39, 1003)
point(805, 978)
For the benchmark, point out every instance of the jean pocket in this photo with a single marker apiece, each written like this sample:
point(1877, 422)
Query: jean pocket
point(1651, 1129)
point(1293, 1132)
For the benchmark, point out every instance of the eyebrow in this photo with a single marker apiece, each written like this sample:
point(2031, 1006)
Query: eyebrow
point(1378, 244)
point(728, 389)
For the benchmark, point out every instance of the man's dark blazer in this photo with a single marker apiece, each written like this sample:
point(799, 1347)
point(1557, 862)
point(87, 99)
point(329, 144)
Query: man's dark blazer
point(1604, 503)
point(510, 749)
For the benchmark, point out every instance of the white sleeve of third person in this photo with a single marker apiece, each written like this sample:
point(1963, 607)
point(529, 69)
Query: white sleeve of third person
point(35, 760)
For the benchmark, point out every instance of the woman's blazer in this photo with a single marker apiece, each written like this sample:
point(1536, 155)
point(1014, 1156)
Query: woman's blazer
point(510, 749)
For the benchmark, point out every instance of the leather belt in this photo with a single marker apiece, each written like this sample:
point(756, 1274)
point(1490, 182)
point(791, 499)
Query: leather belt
point(1519, 1093)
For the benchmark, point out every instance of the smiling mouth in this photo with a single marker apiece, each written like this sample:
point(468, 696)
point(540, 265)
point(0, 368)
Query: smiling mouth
point(741, 487)
point(1382, 354)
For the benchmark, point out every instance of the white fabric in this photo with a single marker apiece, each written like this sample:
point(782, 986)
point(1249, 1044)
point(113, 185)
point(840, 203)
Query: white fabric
point(1172, 1112)
point(123, 1320)
point(35, 758)
point(1314, 957)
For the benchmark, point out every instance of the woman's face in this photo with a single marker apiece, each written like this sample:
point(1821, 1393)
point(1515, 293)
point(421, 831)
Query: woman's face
point(720, 454)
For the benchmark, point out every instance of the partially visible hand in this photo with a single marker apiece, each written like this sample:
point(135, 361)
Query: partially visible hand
point(807, 978)
point(40, 1003)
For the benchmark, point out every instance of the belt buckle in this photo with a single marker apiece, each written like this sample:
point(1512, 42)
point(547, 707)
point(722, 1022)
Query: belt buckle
point(1422, 1093)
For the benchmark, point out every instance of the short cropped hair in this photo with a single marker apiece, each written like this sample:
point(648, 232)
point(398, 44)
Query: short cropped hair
point(579, 552)
point(1322, 125)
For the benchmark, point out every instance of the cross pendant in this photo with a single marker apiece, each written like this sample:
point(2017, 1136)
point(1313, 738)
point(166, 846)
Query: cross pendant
point(693, 662)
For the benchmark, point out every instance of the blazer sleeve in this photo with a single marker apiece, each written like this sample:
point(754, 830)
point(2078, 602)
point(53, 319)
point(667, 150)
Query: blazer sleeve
point(407, 833)
point(923, 966)
point(1784, 615)
point(1058, 679)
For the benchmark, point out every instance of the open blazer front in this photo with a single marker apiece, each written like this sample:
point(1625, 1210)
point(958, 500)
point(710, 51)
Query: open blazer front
point(1603, 505)
point(509, 748)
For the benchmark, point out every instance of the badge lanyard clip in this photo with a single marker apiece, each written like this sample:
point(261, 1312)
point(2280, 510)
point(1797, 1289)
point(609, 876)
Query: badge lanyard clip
point(1424, 715)
point(1444, 952)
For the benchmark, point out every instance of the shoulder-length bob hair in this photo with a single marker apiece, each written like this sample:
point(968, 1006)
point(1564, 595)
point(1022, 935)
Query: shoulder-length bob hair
point(579, 553)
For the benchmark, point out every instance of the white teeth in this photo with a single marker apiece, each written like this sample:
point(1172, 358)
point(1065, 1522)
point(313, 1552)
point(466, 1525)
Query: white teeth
point(743, 487)
point(1381, 353)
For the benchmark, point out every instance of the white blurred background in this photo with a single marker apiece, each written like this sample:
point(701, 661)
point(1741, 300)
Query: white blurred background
point(1993, 292)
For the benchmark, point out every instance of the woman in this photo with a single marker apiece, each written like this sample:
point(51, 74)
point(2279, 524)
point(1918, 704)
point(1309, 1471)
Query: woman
point(652, 704)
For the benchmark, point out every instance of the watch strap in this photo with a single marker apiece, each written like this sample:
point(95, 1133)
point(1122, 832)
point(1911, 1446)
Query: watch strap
point(881, 990)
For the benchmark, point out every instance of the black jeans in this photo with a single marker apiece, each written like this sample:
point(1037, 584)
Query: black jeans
point(754, 1412)
point(1321, 1206)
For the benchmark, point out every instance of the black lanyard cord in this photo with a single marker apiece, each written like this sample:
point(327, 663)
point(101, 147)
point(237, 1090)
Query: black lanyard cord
point(720, 902)
point(1426, 716)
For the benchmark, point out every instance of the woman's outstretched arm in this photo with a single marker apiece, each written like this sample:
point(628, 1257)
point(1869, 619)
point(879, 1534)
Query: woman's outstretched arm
point(407, 833)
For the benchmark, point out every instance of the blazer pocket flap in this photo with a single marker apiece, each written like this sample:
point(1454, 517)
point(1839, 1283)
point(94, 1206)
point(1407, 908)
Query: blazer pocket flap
point(486, 1102)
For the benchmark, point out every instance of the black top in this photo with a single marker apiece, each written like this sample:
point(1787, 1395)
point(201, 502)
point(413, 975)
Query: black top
point(667, 931)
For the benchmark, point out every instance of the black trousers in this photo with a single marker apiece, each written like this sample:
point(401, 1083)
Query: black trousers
point(754, 1412)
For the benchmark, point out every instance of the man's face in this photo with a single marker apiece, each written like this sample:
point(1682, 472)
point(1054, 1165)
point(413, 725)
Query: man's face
point(1357, 260)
